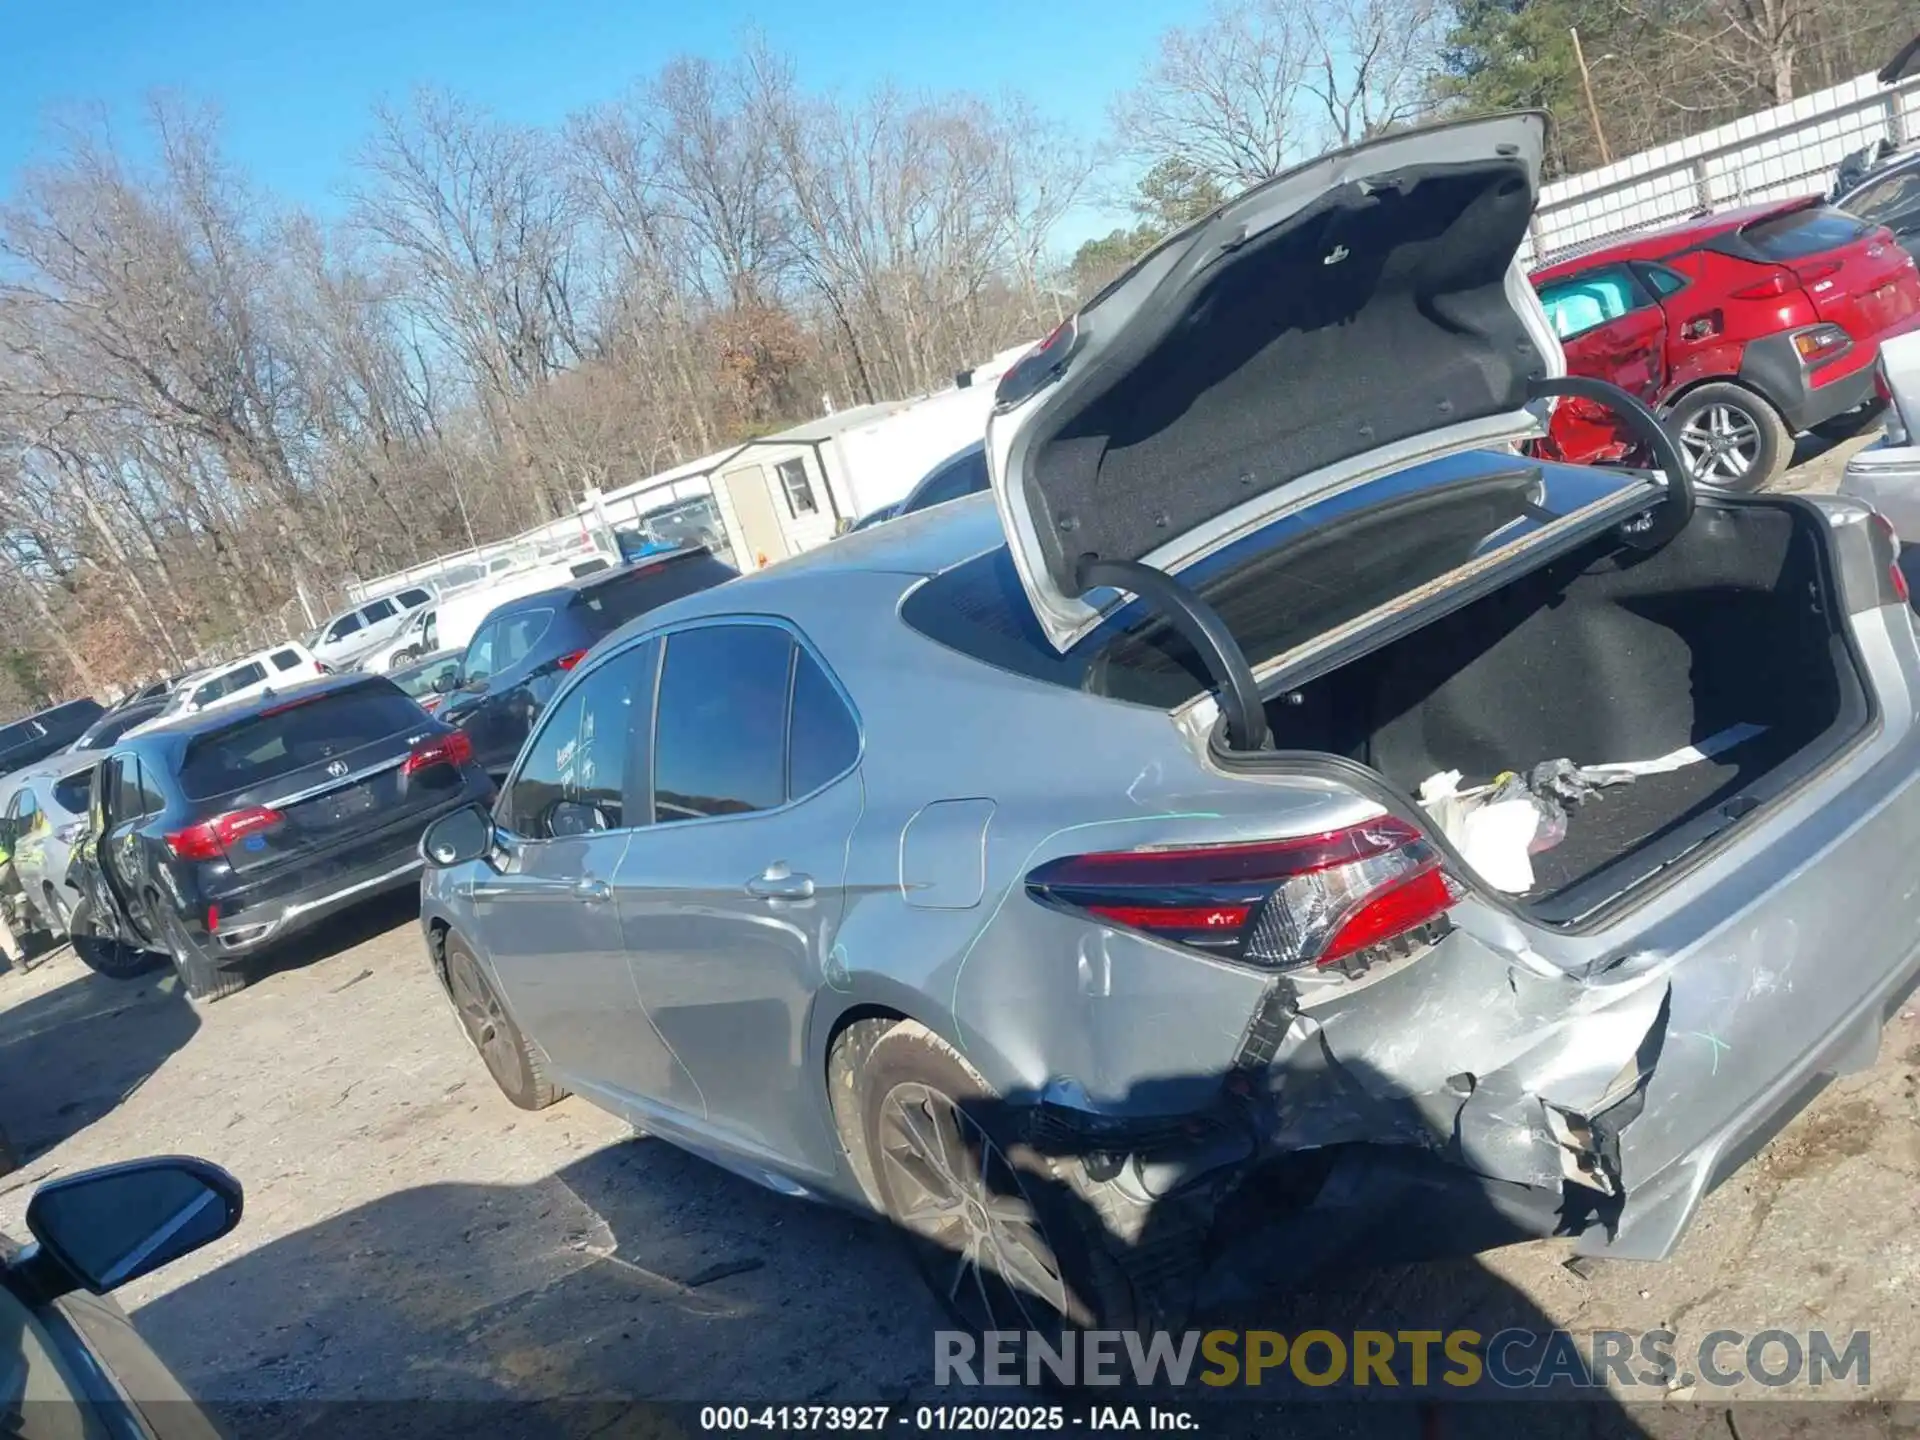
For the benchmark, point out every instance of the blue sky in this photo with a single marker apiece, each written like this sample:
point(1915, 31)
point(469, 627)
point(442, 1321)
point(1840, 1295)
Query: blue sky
point(295, 83)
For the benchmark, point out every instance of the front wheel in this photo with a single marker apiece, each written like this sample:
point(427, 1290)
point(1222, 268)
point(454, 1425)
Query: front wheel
point(113, 958)
point(1730, 437)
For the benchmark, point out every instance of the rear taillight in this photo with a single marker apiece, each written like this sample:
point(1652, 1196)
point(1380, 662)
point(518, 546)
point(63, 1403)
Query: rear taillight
point(323, 667)
point(454, 748)
point(431, 703)
point(567, 662)
point(1886, 553)
point(211, 839)
point(1326, 900)
point(1772, 287)
point(1821, 341)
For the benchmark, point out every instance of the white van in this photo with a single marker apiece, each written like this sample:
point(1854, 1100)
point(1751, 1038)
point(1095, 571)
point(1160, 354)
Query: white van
point(274, 668)
point(352, 633)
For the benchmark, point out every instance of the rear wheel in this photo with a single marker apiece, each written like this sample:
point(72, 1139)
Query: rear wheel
point(996, 1230)
point(114, 959)
point(516, 1067)
point(1730, 436)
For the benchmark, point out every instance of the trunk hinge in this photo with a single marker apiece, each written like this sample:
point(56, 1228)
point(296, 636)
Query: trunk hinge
point(1672, 517)
point(1203, 628)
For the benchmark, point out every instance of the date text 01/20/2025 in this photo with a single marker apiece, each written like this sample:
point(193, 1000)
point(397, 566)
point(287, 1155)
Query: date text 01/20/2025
point(989, 1419)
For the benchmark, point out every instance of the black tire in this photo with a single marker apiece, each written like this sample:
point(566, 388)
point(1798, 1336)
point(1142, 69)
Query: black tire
point(1733, 439)
point(1020, 1210)
point(113, 959)
point(511, 1059)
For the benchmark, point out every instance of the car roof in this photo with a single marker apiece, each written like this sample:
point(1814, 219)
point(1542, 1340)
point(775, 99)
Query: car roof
point(1669, 240)
point(1892, 165)
point(580, 584)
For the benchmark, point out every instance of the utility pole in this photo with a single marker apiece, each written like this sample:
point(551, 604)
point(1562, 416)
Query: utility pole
point(1593, 109)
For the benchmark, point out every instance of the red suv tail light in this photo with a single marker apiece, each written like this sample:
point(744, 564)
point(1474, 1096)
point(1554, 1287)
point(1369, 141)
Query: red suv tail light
point(568, 661)
point(455, 748)
point(1821, 341)
point(211, 839)
point(1312, 900)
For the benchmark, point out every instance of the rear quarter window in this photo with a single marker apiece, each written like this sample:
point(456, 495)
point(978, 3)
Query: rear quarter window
point(1801, 233)
point(284, 738)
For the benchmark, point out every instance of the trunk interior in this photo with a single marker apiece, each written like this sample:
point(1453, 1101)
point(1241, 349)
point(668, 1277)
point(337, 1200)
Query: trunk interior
point(1609, 655)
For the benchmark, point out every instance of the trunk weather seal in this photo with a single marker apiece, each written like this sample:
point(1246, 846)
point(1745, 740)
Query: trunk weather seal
point(1372, 785)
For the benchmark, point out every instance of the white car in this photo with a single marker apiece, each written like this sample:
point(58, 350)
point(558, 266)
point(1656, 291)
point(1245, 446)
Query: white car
point(350, 634)
point(276, 668)
point(450, 622)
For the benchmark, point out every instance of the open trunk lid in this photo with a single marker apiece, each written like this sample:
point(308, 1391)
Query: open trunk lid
point(298, 779)
point(1344, 320)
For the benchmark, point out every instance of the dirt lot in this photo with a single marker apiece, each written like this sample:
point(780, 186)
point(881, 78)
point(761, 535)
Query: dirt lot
point(408, 1234)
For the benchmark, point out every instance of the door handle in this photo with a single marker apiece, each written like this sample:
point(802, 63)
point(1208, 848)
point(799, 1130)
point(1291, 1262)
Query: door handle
point(592, 890)
point(780, 883)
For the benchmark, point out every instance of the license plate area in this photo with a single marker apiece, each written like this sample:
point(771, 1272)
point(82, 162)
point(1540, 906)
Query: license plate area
point(336, 808)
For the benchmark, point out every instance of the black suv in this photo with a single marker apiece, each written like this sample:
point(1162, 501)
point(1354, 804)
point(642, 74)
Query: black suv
point(45, 732)
point(521, 652)
point(230, 829)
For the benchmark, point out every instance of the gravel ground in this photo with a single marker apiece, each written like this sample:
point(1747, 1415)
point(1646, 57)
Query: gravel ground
point(408, 1234)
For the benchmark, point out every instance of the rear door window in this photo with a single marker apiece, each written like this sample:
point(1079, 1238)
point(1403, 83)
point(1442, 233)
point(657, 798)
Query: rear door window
point(227, 684)
point(1586, 302)
point(124, 800)
point(284, 738)
point(343, 627)
point(720, 738)
point(1801, 233)
point(517, 634)
point(73, 792)
point(379, 610)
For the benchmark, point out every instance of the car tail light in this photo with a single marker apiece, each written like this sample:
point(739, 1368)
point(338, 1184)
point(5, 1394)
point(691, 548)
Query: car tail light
point(213, 919)
point(323, 667)
point(567, 662)
point(1776, 284)
point(454, 748)
point(211, 839)
point(1886, 550)
point(1323, 900)
point(1821, 341)
point(431, 702)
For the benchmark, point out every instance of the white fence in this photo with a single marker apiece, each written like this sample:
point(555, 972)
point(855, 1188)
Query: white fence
point(1775, 154)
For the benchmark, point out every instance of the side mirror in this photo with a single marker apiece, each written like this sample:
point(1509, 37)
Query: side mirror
point(447, 682)
point(456, 839)
point(101, 1228)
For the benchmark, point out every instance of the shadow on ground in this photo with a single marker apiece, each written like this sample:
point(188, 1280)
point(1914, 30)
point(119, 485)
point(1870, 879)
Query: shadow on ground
point(337, 933)
point(638, 1273)
point(68, 1056)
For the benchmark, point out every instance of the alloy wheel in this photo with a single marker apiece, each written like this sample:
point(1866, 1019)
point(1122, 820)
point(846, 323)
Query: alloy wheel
point(1722, 443)
point(956, 1191)
point(480, 1011)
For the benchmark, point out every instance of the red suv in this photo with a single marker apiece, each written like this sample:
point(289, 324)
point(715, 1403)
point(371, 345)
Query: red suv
point(1740, 329)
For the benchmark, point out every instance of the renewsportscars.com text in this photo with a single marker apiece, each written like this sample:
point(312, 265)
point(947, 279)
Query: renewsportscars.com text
point(1513, 1359)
